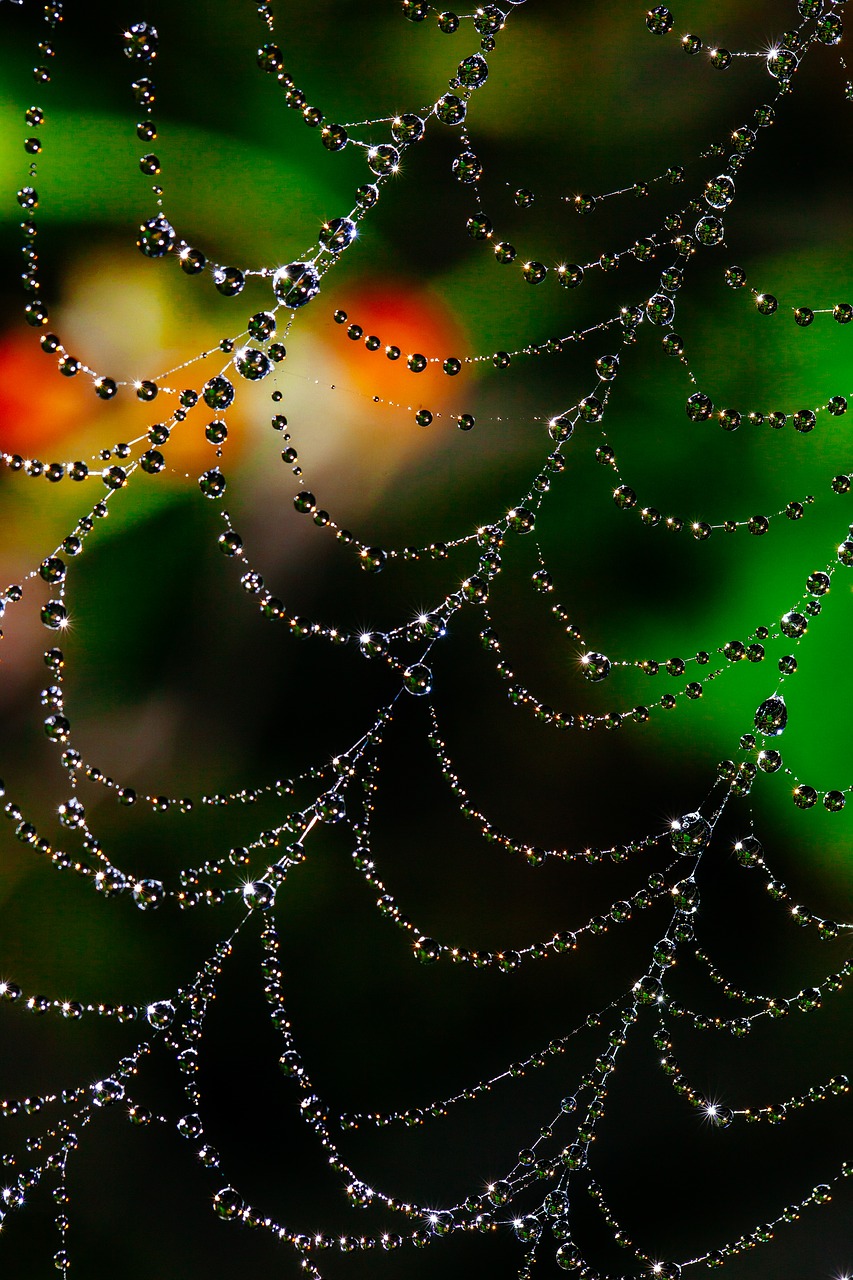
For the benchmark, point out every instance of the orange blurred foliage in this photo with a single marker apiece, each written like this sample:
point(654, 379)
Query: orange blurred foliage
point(414, 320)
point(40, 410)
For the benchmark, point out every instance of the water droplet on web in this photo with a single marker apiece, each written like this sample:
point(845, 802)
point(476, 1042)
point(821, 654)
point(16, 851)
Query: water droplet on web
point(418, 679)
point(450, 109)
point(212, 483)
point(772, 716)
point(148, 894)
point(261, 326)
point(228, 1203)
point(691, 834)
point(258, 895)
point(595, 667)
point(156, 237)
point(106, 1092)
point(218, 392)
point(660, 309)
point(720, 191)
point(337, 234)
point(160, 1014)
point(407, 128)
point(252, 364)
point(473, 72)
point(140, 42)
point(709, 230)
point(383, 159)
point(296, 284)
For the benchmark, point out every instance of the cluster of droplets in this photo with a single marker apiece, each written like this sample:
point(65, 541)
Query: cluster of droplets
point(343, 792)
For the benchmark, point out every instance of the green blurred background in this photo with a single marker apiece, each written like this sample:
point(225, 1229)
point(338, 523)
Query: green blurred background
point(175, 684)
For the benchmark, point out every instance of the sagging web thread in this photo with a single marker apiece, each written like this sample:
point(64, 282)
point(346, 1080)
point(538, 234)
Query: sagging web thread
point(343, 791)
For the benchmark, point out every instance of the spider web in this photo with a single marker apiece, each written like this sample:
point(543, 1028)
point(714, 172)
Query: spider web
point(427, 623)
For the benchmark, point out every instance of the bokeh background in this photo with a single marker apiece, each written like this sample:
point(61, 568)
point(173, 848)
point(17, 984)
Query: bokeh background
point(176, 685)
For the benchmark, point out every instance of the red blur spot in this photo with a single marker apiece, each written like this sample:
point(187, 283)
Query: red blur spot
point(39, 408)
point(417, 322)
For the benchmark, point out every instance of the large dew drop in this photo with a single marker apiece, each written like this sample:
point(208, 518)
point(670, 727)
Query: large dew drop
point(772, 716)
point(691, 834)
point(296, 284)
